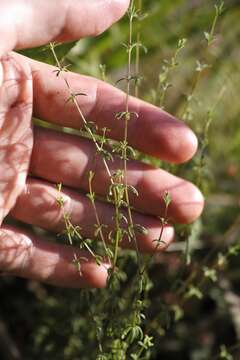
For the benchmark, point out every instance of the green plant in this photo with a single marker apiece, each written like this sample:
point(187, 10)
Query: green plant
point(127, 338)
point(179, 304)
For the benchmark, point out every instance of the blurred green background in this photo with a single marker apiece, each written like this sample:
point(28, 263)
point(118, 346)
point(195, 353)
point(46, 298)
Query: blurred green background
point(41, 322)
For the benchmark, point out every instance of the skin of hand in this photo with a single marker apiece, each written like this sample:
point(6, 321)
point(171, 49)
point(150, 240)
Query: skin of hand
point(33, 159)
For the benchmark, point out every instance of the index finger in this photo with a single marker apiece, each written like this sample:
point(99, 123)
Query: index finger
point(31, 23)
point(153, 131)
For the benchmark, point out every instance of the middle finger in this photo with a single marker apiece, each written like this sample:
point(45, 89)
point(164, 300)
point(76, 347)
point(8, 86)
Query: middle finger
point(67, 159)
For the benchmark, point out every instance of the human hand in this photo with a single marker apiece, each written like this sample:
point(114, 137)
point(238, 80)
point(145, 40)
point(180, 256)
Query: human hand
point(29, 172)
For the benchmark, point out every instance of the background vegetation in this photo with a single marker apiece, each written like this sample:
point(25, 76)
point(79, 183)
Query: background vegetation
point(193, 304)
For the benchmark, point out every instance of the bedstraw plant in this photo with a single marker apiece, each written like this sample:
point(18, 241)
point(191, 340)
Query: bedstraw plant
point(128, 338)
point(123, 327)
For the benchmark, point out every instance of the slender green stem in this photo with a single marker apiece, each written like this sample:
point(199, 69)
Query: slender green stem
point(97, 218)
point(164, 222)
point(118, 232)
point(137, 62)
point(127, 119)
point(99, 150)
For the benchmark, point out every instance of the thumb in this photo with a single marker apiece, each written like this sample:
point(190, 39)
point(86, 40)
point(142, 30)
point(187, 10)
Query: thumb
point(31, 23)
